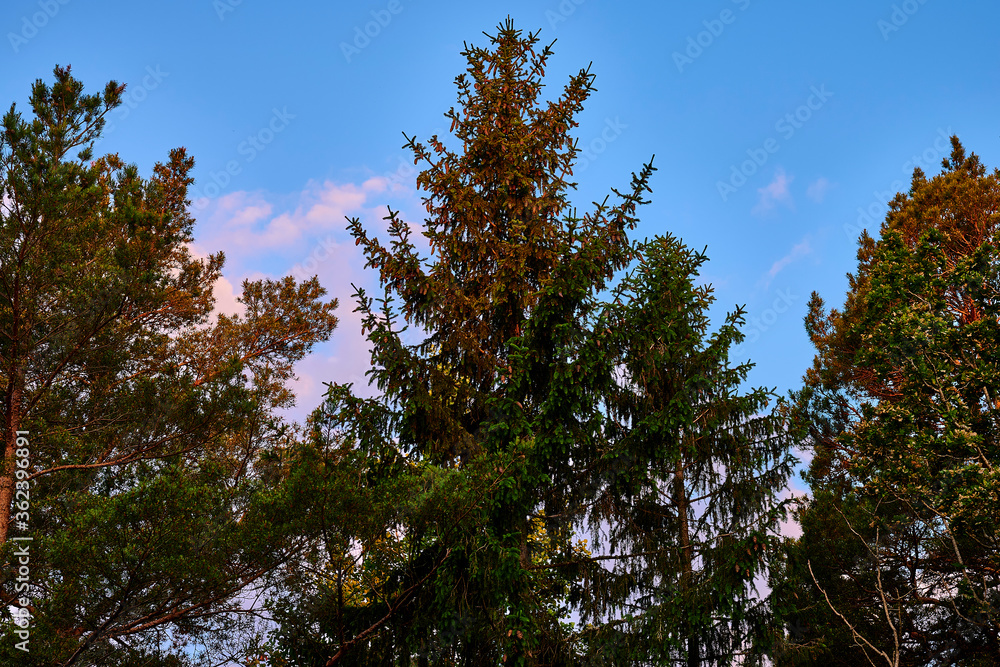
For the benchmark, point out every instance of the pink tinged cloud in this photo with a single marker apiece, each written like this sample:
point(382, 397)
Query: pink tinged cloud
point(250, 215)
point(817, 189)
point(334, 202)
point(375, 184)
point(774, 193)
point(308, 233)
point(247, 222)
point(226, 296)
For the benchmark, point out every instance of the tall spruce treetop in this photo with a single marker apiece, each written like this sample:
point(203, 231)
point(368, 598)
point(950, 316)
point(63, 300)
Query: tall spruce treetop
point(495, 226)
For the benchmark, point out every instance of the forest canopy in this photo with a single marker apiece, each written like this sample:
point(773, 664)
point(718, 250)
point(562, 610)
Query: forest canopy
point(563, 464)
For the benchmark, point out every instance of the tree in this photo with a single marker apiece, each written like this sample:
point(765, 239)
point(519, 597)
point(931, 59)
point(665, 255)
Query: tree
point(697, 507)
point(506, 432)
point(901, 410)
point(131, 424)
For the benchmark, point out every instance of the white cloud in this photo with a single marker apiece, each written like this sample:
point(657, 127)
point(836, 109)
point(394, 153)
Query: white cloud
point(798, 251)
point(774, 193)
point(817, 189)
point(247, 221)
point(304, 234)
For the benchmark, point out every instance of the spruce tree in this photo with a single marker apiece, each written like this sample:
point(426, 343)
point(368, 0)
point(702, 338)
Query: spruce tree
point(697, 507)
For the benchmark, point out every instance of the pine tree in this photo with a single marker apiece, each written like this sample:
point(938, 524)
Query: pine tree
point(131, 425)
point(901, 410)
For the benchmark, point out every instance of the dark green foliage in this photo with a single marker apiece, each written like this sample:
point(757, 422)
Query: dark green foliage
point(545, 400)
point(699, 500)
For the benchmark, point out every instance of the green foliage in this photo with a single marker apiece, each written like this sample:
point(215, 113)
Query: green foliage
point(902, 412)
point(699, 500)
point(143, 418)
point(545, 400)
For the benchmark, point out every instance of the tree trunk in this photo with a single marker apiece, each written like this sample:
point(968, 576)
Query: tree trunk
point(687, 557)
point(12, 422)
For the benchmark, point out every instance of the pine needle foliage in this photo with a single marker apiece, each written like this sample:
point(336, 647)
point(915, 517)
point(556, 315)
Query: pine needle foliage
point(131, 423)
point(901, 410)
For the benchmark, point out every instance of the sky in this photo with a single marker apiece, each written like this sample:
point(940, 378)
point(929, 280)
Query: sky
point(779, 129)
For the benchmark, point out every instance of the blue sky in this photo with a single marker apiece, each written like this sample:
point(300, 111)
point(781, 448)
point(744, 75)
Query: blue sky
point(779, 129)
